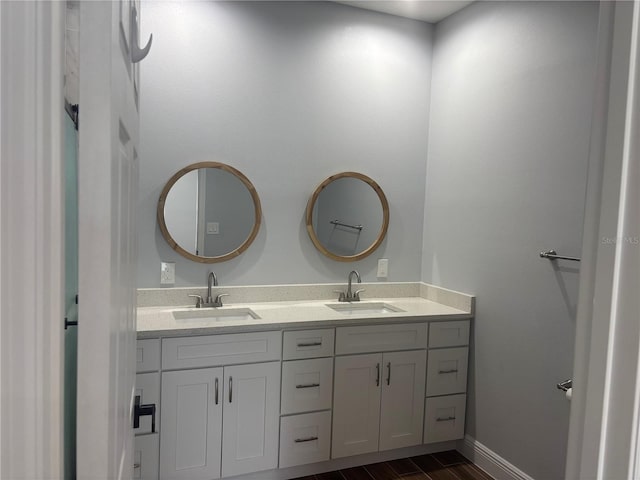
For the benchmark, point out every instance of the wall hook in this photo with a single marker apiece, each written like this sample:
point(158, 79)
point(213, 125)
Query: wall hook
point(137, 53)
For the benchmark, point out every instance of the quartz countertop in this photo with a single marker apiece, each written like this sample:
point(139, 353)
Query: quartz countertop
point(157, 321)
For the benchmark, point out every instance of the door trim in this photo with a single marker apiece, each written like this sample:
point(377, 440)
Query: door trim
point(31, 239)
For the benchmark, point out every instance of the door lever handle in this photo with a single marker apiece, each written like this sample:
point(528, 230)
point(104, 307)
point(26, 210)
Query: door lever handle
point(144, 411)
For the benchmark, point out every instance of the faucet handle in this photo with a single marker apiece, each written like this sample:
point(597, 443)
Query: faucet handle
point(218, 301)
point(342, 297)
point(356, 295)
point(199, 300)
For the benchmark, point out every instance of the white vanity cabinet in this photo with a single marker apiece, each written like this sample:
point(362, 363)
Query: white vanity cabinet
point(146, 442)
point(145, 457)
point(239, 403)
point(378, 397)
point(222, 420)
point(307, 394)
point(445, 403)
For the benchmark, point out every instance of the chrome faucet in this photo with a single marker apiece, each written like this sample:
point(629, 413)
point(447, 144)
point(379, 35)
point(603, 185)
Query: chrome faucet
point(350, 296)
point(212, 281)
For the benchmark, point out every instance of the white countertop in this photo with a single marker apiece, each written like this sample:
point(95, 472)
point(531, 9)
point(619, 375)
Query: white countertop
point(158, 321)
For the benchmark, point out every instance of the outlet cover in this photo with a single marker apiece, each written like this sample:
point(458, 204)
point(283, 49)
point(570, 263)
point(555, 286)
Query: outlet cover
point(167, 273)
point(383, 268)
point(213, 228)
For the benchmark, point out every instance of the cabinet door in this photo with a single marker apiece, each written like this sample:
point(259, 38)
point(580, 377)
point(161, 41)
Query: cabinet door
point(305, 439)
point(190, 443)
point(145, 457)
point(447, 371)
point(356, 404)
point(307, 385)
point(444, 418)
point(251, 418)
point(402, 411)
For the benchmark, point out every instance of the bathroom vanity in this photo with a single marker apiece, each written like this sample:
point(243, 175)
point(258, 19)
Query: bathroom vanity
point(292, 387)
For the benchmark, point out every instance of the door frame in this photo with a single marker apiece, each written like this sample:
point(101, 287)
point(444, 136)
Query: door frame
point(31, 286)
point(31, 239)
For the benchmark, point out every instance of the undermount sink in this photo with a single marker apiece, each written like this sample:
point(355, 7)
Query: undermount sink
point(363, 308)
point(216, 315)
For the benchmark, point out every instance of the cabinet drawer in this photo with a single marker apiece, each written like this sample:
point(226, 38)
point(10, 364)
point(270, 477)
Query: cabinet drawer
point(308, 344)
point(148, 355)
point(444, 418)
point(145, 457)
point(214, 350)
point(447, 371)
point(381, 338)
point(307, 385)
point(148, 387)
point(449, 334)
point(305, 439)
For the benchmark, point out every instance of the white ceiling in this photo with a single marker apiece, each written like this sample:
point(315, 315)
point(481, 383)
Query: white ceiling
point(431, 11)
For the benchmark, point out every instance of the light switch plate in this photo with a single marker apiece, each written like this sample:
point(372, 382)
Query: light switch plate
point(167, 273)
point(383, 268)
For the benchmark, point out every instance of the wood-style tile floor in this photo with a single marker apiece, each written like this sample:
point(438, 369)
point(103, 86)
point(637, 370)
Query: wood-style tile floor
point(449, 465)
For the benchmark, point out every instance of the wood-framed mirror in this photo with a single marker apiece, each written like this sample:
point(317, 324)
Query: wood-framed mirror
point(209, 212)
point(347, 216)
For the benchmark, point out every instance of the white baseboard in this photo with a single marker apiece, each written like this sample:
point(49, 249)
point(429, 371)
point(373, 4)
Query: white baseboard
point(490, 461)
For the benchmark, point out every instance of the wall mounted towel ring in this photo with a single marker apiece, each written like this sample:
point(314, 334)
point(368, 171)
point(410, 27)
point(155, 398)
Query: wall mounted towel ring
point(137, 53)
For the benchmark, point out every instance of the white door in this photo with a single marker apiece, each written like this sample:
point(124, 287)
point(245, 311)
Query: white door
point(356, 404)
point(190, 440)
point(604, 438)
point(251, 418)
point(107, 198)
point(402, 407)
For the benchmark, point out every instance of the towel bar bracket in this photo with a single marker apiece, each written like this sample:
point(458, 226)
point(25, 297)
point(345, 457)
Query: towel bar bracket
point(553, 255)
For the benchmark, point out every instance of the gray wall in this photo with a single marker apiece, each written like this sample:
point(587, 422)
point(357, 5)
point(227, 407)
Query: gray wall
point(289, 93)
point(506, 176)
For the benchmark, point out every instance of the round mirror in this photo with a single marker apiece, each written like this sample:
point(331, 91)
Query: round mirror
point(347, 216)
point(209, 212)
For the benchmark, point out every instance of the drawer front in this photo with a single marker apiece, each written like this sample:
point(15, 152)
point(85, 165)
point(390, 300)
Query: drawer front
point(449, 334)
point(447, 371)
point(444, 418)
point(308, 344)
point(381, 338)
point(307, 385)
point(305, 439)
point(148, 387)
point(148, 355)
point(145, 457)
point(215, 350)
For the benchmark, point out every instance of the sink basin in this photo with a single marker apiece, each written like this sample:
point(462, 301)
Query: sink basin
point(215, 315)
point(363, 308)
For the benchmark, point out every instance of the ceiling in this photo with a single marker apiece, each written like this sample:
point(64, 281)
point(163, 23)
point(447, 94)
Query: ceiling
point(431, 11)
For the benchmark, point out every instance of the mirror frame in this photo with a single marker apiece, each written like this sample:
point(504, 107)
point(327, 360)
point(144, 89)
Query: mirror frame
point(220, 258)
point(383, 229)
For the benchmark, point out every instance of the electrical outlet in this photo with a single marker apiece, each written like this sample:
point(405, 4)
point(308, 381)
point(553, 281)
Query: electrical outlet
point(383, 268)
point(167, 273)
point(213, 228)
